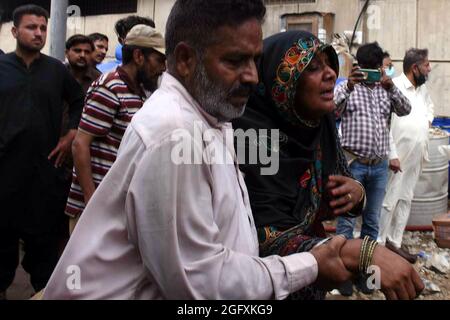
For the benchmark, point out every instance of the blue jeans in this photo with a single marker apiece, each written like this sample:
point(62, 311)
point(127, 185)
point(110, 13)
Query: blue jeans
point(374, 179)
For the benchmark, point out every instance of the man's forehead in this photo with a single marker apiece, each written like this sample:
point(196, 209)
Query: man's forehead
point(82, 46)
point(245, 38)
point(33, 19)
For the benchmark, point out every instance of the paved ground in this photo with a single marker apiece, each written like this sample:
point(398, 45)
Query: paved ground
point(21, 288)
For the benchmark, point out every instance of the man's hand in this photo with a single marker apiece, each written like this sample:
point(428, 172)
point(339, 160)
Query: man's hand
point(345, 194)
point(385, 81)
point(394, 165)
point(63, 148)
point(332, 271)
point(355, 77)
point(399, 280)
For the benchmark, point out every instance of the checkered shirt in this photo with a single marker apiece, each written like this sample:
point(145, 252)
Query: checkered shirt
point(366, 116)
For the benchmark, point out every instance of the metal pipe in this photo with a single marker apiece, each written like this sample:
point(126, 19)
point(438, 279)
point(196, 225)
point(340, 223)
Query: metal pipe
point(58, 28)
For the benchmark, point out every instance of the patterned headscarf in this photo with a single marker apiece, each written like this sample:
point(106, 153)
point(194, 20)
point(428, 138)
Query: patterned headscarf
point(308, 154)
point(297, 49)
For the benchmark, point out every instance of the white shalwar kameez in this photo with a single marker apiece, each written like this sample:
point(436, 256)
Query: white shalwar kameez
point(409, 144)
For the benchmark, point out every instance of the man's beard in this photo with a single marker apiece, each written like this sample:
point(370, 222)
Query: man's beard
point(420, 79)
point(149, 83)
point(76, 67)
point(24, 47)
point(213, 97)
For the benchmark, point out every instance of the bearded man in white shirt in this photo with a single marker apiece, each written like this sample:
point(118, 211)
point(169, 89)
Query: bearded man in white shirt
point(409, 149)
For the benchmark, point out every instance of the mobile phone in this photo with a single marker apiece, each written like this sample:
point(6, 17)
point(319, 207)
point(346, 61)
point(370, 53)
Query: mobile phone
point(371, 75)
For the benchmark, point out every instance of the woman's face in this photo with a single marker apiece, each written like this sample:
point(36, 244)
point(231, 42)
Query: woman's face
point(315, 89)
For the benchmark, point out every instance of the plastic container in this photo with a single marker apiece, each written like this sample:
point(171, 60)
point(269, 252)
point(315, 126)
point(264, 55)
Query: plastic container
point(441, 226)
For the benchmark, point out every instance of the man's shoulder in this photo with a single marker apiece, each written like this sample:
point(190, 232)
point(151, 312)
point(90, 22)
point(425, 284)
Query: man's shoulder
point(162, 115)
point(53, 61)
point(7, 57)
point(111, 80)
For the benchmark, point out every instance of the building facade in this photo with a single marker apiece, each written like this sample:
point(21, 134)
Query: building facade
point(396, 24)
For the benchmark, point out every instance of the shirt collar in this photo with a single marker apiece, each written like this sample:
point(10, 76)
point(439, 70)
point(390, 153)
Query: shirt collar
point(35, 61)
point(405, 81)
point(89, 75)
point(171, 83)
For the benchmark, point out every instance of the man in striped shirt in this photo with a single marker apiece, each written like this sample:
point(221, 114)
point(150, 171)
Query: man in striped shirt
point(110, 104)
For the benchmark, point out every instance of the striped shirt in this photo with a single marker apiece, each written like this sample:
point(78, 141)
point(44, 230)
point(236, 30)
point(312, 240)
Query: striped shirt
point(366, 115)
point(110, 104)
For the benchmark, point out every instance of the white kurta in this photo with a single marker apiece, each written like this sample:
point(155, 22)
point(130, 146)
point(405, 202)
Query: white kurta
point(410, 142)
point(155, 229)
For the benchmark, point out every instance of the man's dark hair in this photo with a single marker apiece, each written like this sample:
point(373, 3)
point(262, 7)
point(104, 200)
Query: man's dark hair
point(127, 53)
point(79, 39)
point(123, 26)
point(30, 9)
point(370, 55)
point(414, 56)
point(98, 37)
point(196, 21)
point(386, 55)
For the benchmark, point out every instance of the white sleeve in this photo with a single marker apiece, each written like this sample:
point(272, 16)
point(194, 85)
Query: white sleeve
point(392, 148)
point(430, 105)
point(170, 208)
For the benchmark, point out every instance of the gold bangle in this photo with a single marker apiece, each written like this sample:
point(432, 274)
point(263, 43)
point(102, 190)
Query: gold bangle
point(366, 255)
point(363, 253)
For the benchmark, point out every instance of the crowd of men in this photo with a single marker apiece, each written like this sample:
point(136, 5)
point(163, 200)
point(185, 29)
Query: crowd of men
point(62, 124)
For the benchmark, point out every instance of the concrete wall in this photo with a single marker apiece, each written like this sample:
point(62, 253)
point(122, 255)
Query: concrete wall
point(397, 25)
point(103, 24)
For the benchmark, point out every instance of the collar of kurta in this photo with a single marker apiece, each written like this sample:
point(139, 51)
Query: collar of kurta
point(172, 83)
point(408, 85)
point(35, 61)
point(89, 75)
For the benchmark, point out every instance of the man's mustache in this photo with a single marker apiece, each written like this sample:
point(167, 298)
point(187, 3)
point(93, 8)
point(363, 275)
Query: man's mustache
point(242, 90)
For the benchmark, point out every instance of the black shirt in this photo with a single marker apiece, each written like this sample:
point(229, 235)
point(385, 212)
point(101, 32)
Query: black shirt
point(1, 52)
point(31, 104)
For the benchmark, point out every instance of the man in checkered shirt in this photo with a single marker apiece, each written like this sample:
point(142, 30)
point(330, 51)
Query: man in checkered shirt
point(365, 109)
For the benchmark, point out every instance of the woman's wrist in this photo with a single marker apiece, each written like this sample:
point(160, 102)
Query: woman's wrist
point(350, 254)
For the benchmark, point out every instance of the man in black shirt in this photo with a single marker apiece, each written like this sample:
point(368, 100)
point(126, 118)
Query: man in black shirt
point(33, 89)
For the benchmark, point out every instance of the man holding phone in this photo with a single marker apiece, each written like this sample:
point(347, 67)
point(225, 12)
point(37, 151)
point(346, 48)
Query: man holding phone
point(365, 103)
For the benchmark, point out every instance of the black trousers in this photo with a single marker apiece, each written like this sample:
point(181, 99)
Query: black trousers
point(41, 255)
point(32, 204)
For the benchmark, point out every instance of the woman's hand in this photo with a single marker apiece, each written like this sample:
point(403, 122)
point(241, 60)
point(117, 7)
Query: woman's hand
point(398, 278)
point(345, 194)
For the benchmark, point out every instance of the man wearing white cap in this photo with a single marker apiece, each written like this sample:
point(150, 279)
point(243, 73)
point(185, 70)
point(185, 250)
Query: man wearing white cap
point(110, 104)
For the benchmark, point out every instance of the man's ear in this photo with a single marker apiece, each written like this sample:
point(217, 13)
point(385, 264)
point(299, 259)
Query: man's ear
point(14, 32)
point(185, 60)
point(138, 57)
